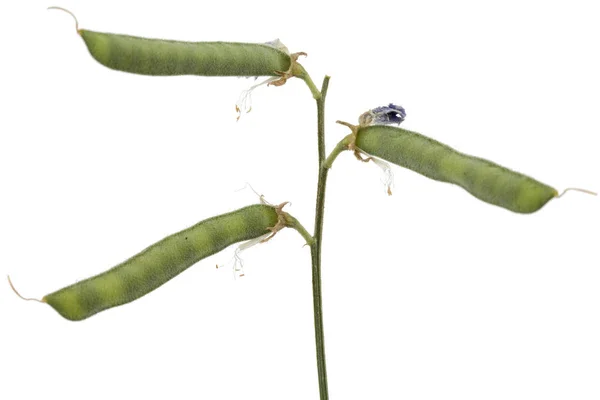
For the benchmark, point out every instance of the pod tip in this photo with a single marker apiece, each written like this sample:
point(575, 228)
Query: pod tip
point(18, 294)
point(70, 13)
point(577, 190)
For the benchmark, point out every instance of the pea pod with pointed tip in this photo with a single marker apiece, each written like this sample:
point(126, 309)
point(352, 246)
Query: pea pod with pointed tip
point(164, 260)
point(166, 57)
point(484, 179)
point(146, 56)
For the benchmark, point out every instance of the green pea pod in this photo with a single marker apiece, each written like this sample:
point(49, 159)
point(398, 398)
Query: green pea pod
point(163, 260)
point(484, 179)
point(167, 57)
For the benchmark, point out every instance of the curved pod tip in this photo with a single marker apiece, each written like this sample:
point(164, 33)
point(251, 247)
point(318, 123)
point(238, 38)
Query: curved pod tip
point(19, 294)
point(70, 13)
point(576, 190)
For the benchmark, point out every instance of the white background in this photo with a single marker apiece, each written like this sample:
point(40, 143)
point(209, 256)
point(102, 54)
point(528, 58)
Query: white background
point(428, 294)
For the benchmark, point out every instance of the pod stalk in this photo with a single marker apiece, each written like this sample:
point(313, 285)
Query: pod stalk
point(293, 223)
point(342, 146)
point(302, 74)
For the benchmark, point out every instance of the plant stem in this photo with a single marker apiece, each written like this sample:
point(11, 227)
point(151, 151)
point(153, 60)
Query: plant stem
point(341, 146)
point(302, 74)
point(292, 222)
point(318, 243)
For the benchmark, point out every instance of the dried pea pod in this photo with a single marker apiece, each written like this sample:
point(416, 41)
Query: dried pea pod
point(167, 258)
point(167, 57)
point(484, 179)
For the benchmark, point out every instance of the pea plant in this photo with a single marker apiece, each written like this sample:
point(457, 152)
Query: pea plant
point(375, 138)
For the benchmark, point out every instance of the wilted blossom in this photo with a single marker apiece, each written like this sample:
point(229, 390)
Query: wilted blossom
point(244, 103)
point(384, 115)
point(388, 176)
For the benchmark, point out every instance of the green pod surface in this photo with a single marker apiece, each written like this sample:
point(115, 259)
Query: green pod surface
point(167, 57)
point(160, 262)
point(484, 179)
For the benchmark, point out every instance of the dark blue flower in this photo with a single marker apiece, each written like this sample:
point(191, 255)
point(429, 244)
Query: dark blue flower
point(384, 115)
point(391, 114)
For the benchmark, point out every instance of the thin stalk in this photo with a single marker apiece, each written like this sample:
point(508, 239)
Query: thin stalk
point(339, 148)
point(318, 243)
point(292, 222)
point(302, 74)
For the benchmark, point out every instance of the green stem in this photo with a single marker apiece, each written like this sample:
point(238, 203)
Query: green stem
point(302, 74)
point(292, 222)
point(340, 147)
point(317, 246)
